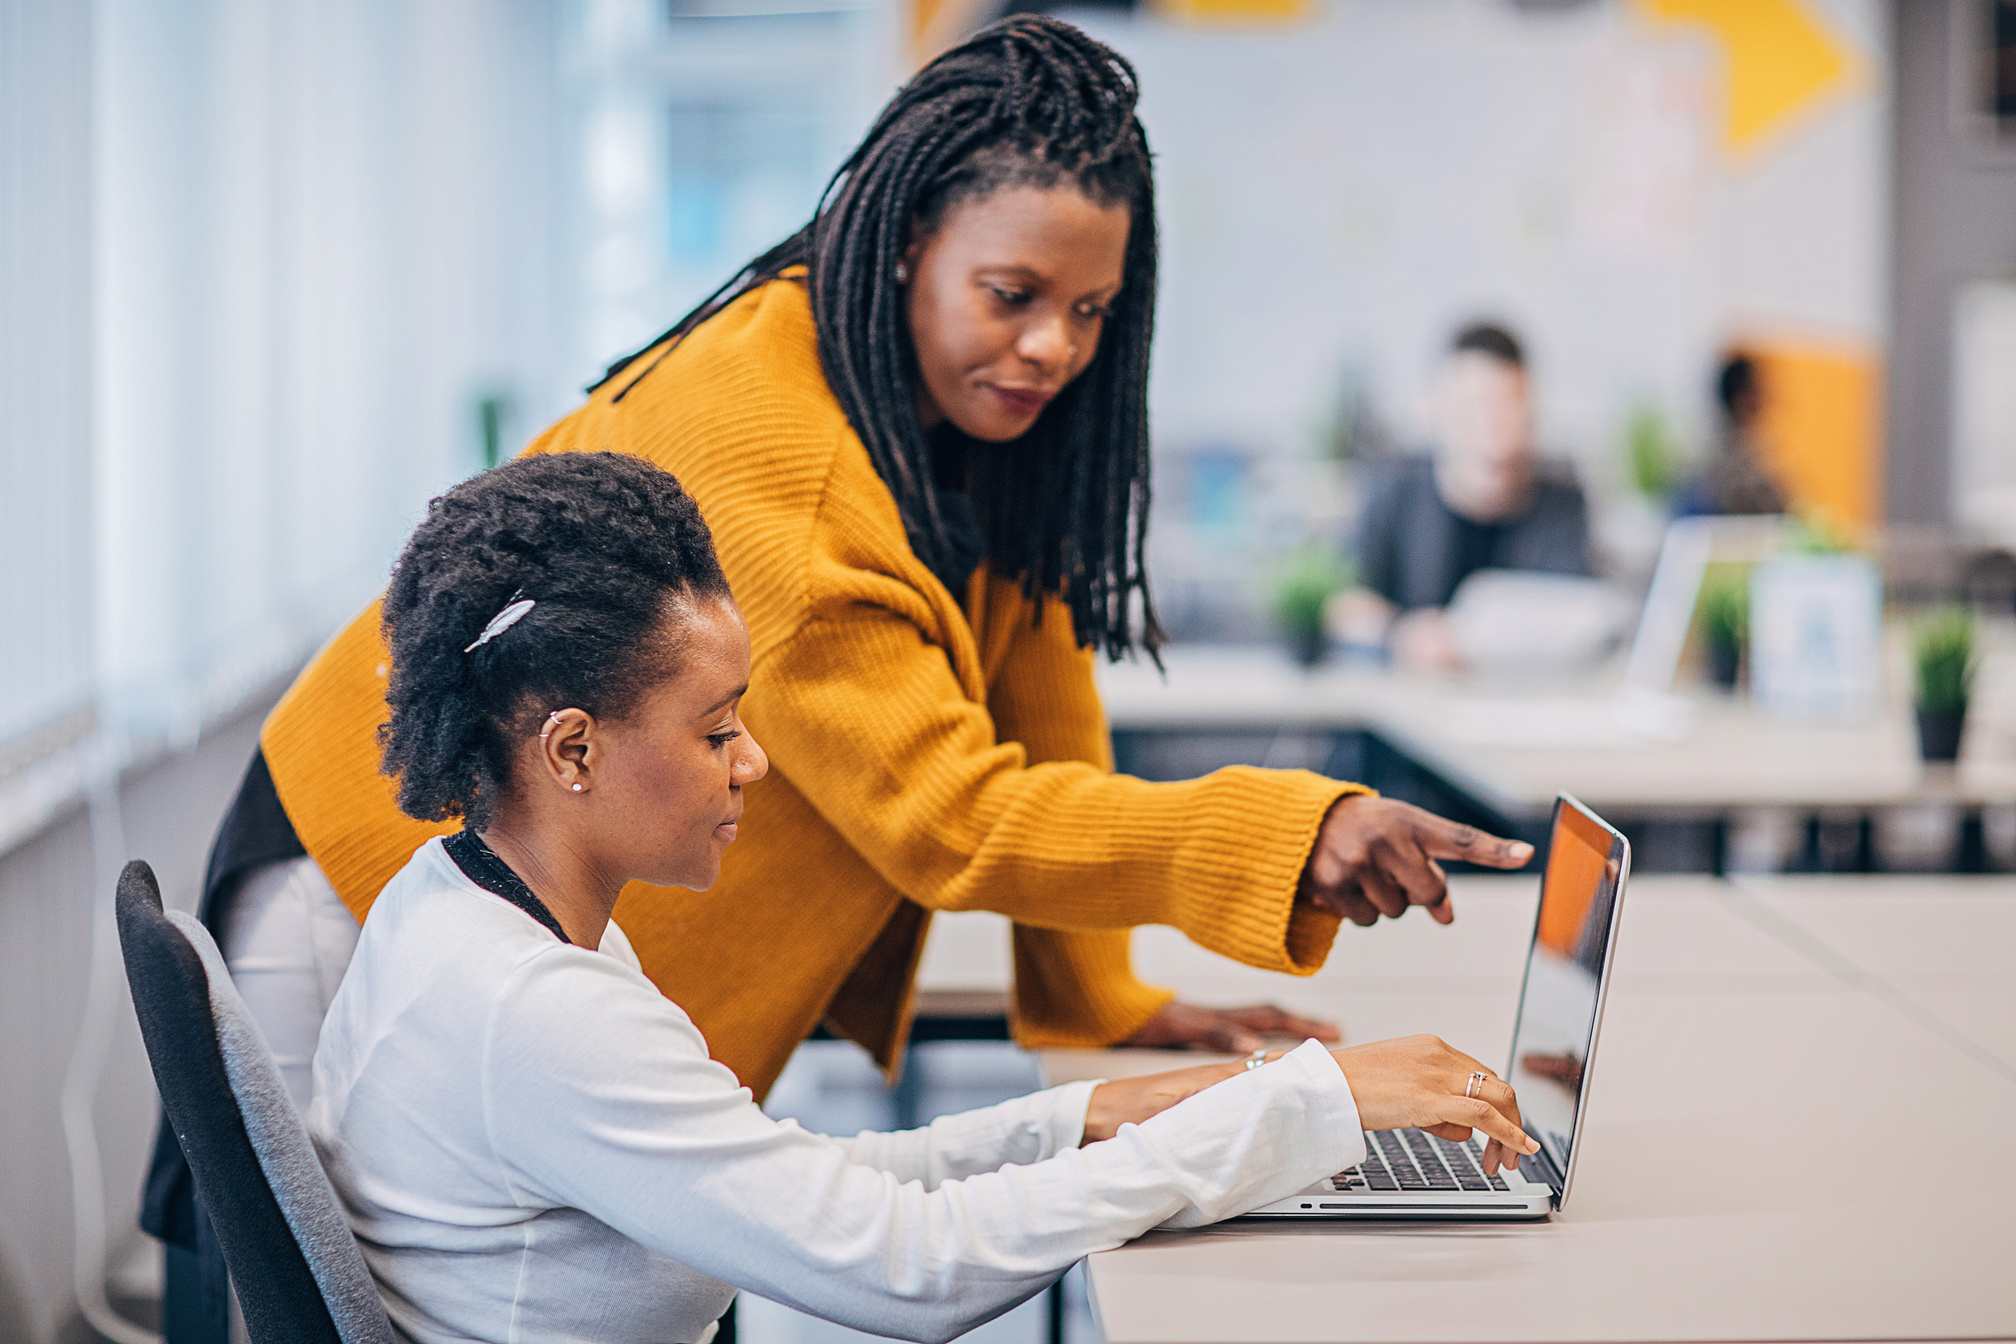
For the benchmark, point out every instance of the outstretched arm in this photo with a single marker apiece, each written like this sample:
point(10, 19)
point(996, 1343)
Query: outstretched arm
point(1077, 988)
point(878, 733)
point(868, 720)
point(635, 1126)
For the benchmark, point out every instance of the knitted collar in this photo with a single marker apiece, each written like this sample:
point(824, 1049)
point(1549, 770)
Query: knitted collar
point(480, 864)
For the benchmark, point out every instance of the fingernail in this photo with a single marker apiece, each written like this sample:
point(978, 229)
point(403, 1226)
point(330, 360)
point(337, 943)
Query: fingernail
point(1521, 850)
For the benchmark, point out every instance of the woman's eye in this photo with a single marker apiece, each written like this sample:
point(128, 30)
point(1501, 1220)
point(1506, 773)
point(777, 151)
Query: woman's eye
point(721, 740)
point(1013, 297)
point(1097, 312)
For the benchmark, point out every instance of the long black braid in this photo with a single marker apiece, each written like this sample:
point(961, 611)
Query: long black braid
point(1028, 101)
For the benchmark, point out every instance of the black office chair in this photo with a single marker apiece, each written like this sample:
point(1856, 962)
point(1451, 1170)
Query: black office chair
point(299, 1275)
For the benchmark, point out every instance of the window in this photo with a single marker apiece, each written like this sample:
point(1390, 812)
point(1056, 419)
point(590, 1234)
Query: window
point(709, 129)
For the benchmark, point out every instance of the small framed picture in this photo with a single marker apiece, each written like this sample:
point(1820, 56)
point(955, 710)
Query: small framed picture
point(1816, 637)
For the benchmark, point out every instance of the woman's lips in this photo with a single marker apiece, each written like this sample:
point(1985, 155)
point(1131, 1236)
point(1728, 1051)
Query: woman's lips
point(1022, 401)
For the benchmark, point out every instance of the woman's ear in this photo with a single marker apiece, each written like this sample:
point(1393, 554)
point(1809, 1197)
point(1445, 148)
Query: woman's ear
point(566, 741)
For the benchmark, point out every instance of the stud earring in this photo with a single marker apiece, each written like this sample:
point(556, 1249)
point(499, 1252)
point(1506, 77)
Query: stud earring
point(902, 274)
point(577, 788)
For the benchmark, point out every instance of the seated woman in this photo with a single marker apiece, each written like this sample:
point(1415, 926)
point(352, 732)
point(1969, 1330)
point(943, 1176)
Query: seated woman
point(531, 1141)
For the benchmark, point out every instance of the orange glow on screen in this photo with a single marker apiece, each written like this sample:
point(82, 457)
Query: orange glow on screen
point(1574, 876)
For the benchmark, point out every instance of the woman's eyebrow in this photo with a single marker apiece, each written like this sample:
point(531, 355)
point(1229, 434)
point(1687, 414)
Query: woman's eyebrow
point(726, 700)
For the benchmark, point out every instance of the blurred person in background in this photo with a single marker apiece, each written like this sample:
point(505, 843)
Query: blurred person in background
point(1481, 499)
point(1735, 479)
point(918, 431)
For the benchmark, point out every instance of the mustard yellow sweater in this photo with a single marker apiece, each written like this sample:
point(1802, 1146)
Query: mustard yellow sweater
point(927, 753)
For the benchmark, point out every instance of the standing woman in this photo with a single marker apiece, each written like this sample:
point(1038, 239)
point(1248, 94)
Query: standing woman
point(918, 432)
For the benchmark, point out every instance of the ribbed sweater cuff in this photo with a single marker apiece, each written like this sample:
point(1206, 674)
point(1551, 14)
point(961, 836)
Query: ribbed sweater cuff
point(1077, 990)
point(1240, 861)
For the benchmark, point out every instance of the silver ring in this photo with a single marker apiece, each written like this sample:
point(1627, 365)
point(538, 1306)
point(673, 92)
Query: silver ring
point(1256, 1059)
point(1475, 1088)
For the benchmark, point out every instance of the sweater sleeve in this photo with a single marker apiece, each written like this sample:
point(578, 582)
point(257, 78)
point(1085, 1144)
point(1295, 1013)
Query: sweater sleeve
point(634, 1125)
point(879, 736)
point(1074, 988)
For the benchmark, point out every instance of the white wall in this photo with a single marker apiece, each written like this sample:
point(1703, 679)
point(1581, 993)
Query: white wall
point(1337, 196)
point(49, 890)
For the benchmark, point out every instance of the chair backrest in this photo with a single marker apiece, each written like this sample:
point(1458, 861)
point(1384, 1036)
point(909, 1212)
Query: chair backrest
point(293, 1260)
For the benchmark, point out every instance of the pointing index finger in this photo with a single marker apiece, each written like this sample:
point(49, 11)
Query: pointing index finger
point(1451, 840)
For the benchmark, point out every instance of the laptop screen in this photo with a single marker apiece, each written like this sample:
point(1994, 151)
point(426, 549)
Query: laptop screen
point(1557, 1010)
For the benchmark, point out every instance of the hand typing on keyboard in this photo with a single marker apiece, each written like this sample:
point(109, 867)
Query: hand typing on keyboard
point(1417, 1085)
point(1416, 1081)
point(1407, 1159)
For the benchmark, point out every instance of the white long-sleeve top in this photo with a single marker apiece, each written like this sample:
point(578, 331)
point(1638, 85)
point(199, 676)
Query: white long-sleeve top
point(531, 1143)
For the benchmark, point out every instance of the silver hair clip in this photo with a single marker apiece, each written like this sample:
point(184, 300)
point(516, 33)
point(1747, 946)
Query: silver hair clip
point(514, 612)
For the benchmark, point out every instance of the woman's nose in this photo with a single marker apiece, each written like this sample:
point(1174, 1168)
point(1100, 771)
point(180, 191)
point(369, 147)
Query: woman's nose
point(1046, 343)
point(753, 763)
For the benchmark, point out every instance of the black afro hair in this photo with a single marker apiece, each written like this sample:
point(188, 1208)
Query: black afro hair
point(599, 542)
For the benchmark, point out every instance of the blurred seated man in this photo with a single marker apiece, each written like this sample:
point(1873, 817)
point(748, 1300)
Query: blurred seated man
point(1480, 500)
point(1735, 479)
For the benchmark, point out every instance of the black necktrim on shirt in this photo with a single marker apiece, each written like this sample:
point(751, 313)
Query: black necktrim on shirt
point(480, 864)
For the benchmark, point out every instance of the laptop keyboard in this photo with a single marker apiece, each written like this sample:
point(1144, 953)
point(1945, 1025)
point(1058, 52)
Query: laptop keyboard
point(1408, 1159)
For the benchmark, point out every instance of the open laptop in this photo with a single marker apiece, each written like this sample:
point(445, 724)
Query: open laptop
point(1411, 1174)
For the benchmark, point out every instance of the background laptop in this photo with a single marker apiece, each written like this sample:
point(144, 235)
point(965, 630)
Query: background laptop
point(1410, 1174)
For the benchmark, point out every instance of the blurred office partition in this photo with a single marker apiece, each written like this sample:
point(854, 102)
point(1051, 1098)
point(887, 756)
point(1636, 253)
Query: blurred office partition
point(1984, 409)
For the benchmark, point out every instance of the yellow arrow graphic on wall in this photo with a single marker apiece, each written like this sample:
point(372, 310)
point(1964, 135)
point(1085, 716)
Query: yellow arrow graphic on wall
point(1782, 61)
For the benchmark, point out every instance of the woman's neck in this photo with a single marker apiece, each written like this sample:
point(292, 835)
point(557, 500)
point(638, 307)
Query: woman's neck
point(572, 888)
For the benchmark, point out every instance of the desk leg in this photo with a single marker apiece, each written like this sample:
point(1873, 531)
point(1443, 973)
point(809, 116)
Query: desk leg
point(1970, 845)
point(906, 1099)
point(1812, 858)
point(1053, 1308)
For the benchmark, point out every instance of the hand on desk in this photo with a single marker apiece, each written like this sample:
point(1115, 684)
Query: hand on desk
point(1425, 641)
point(1412, 1082)
point(1376, 856)
point(1231, 1031)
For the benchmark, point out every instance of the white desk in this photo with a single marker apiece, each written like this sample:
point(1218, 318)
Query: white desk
point(1940, 949)
point(1881, 1204)
point(1513, 748)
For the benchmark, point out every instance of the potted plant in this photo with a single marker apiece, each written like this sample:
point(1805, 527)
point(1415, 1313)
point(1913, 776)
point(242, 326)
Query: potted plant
point(1309, 576)
point(1725, 625)
point(1943, 654)
point(1651, 455)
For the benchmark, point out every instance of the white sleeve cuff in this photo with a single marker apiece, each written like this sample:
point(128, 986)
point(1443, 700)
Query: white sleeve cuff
point(1332, 1089)
point(1067, 1121)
